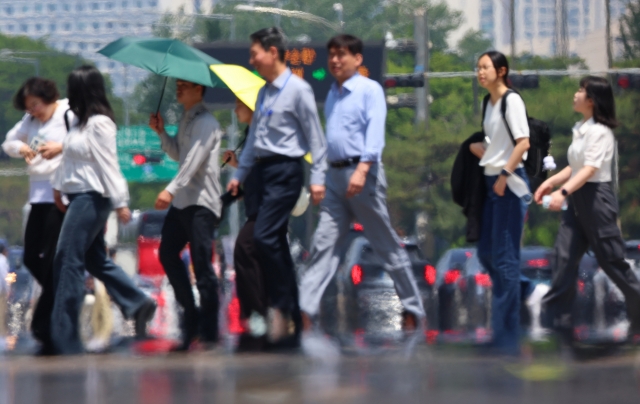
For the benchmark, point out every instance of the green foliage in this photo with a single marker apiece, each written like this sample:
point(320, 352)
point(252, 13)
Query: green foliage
point(630, 30)
point(472, 45)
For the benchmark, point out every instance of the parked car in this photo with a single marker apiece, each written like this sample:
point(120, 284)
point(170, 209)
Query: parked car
point(361, 299)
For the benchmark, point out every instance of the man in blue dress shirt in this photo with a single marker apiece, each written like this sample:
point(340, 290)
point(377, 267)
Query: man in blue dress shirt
point(355, 185)
point(285, 126)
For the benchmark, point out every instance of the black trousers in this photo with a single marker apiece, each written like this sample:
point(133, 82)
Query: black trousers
point(589, 222)
point(40, 241)
point(279, 188)
point(194, 225)
point(250, 282)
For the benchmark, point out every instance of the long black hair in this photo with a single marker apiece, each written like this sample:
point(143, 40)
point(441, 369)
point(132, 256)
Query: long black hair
point(604, 105)
point(499, 60)
point(87, 94)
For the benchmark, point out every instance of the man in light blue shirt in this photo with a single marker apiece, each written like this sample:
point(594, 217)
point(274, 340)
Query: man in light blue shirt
point(285, 126)
point(355, 185)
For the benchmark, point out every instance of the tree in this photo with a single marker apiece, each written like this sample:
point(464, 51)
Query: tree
point(472, 44)
point(630, 30)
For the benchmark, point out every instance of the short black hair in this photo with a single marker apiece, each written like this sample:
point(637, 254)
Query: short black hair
point(352, 43)
point(87, 94)
point(268, 37)
point(44, 89)
point(604, 105)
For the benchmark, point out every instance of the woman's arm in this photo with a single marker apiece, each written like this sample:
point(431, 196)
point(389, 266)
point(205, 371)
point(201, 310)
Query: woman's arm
point(574, 184)
point(522, 145)
point(547, 187)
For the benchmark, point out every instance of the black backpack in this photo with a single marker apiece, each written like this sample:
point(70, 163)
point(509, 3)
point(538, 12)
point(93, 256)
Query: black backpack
point(539, 140)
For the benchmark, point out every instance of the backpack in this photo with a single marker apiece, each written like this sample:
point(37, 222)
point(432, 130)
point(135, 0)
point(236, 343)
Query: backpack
point(539, 141)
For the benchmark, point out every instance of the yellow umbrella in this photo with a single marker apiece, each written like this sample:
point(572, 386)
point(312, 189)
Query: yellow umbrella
point(243, 83)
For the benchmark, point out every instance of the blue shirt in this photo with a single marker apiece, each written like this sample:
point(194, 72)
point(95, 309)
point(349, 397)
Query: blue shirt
point(356, 115)
point(285, 122)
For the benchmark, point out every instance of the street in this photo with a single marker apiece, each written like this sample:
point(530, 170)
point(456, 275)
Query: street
point(429, 374)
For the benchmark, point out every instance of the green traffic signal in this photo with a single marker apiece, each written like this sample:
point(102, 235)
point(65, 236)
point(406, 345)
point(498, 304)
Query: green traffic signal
point(319, 74)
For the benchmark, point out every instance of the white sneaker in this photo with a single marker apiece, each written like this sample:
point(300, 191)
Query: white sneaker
point(96, 345)
point(318, 346)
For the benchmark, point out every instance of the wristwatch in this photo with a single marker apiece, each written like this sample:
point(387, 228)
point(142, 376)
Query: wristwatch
point(564, 192)
point(505, 172)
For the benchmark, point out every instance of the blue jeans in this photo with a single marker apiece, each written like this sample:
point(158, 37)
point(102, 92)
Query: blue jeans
point(499, 253)
point(81, 246)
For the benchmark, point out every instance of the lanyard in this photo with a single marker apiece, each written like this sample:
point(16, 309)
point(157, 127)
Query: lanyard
point(269, 111)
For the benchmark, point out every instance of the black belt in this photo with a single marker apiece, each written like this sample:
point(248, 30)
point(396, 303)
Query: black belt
point(345, 163)
point(275, 158)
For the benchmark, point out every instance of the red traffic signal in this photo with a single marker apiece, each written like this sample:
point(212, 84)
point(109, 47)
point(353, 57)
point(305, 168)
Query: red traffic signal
point(139, 159)
point(415, 80)
point(629, 81)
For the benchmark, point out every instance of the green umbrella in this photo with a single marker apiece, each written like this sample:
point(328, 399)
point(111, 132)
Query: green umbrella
point(165, 57)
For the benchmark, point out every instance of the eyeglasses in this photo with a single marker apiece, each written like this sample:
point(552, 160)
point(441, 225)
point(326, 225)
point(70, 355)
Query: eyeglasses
point(35, 106)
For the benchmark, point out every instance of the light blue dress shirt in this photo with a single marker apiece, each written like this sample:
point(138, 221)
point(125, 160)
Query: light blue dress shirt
point(285, 122)
point(356, 115)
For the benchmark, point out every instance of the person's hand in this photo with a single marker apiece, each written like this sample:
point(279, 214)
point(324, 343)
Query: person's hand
point(229, 157)
point(500, 185)
point(477, 149)
point(557, 201)
point(50, 149)
point(57, 198)
point(356, 183)
point(124, 215)
point(233, 186)
point(27, 153)
point(156, 123)
point(164, 200)
point(544, 189)
point(317, 193)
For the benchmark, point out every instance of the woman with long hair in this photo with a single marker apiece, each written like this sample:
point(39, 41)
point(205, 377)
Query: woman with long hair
point(590, 219)
point(37, 138)
point(501, 154)
point(90, 177)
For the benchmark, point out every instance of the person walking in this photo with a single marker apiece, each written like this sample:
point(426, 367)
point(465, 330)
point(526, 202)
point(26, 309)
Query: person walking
point(501, 154)
point(37, 138)
point(590, 218)
point(356, 185)
point(284, 128)
point(193, 199)
point(89, 175)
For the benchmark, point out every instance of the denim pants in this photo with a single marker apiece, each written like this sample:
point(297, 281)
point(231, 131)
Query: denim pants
point(499, 253)
point(81, 246)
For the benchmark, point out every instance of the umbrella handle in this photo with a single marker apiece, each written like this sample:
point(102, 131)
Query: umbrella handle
point(235, 150)
point(161, 95)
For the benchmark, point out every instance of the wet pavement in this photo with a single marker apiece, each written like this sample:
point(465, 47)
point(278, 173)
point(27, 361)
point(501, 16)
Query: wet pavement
point(425, 375)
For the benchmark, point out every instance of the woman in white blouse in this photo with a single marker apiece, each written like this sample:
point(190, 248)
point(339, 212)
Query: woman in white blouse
point(90, 177)
point(507, 142)
point(38, 139)
point(590, 220)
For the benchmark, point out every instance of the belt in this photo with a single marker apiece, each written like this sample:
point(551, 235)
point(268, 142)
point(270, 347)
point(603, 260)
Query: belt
point(274, 159)
point(345, 163)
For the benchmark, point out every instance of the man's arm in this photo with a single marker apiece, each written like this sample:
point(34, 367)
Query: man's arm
point(247, 156)
point(169, 144)
point(307, 112)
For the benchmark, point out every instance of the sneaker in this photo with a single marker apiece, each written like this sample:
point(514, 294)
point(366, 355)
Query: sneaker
point(318, 346)
point(143, 316)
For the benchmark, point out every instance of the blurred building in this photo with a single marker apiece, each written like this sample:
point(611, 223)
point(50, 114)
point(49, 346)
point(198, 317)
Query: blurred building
point(539, 25)
point(84, 26)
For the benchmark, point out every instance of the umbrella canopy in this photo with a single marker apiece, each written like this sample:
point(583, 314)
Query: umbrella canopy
point(165, 57)
point(243, 83)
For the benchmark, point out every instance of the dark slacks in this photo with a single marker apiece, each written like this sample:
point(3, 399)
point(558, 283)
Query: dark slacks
point(40, 240)
point(250, 282)
point(280, 183)
point(589, 222)
point(194, 225)
point(81, 245)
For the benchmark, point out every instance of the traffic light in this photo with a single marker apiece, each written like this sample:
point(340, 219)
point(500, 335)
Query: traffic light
point(628, 81)
point(527, 81)
point(146, 158)
point(404, 80)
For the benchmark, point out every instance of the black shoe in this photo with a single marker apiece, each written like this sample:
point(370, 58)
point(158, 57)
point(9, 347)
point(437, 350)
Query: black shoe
point(142, 317)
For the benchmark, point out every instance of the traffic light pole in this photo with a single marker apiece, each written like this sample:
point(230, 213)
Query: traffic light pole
point(421, 38)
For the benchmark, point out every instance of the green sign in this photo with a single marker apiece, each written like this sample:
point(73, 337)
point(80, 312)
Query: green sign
point(140, 156)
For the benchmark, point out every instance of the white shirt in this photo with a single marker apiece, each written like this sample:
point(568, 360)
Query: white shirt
point(4, 271)
point(499, 145)
point(90, 162)
point(40, 170)
point(592, 145)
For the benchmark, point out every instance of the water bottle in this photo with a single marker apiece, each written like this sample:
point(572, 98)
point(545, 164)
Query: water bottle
point(546, 201)
point(519, 187)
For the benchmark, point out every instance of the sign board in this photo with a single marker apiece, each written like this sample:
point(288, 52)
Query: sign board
point(140, 156)
point(308, 61)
